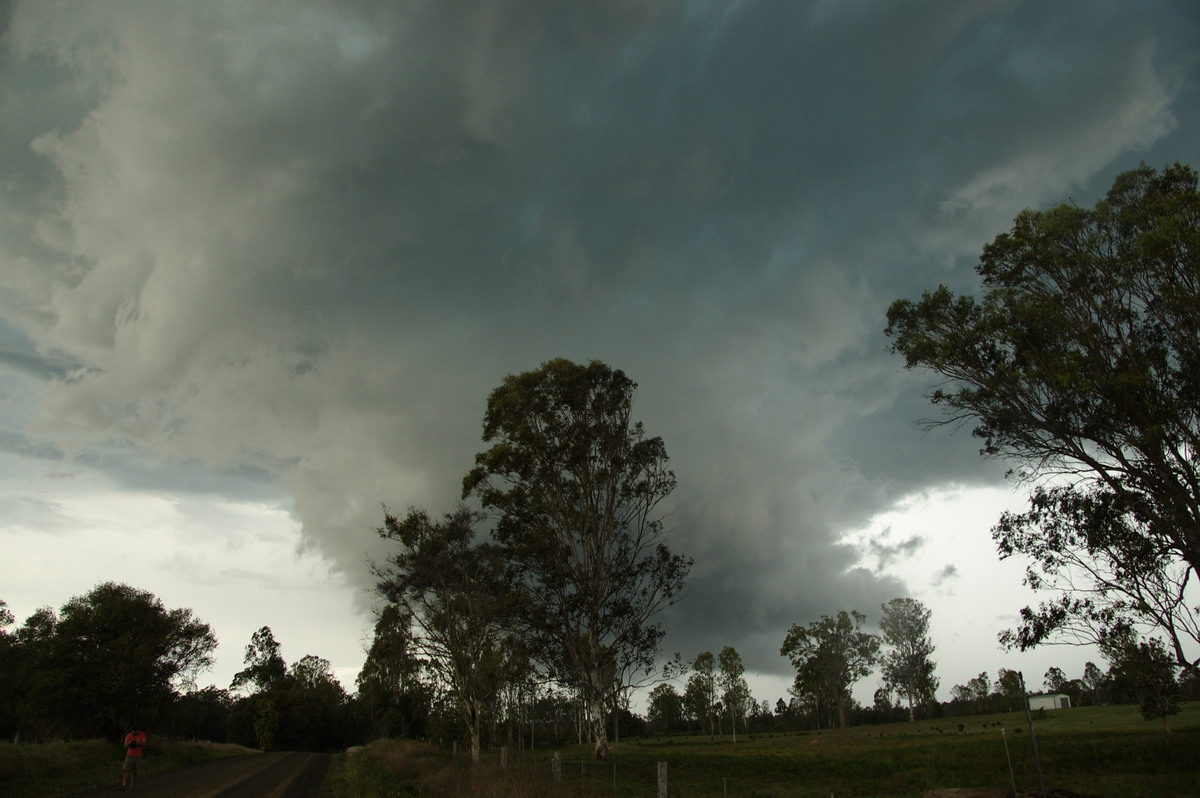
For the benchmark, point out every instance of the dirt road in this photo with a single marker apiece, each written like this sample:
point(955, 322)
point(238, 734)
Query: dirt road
point(274, 775)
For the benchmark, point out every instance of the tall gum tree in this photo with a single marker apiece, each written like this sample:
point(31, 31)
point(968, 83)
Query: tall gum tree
point(1081, 363)
point(575, 484)
point(735, 692)
point(907, 666)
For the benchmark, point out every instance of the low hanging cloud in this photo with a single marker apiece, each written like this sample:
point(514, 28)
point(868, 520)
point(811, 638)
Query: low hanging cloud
point(303, 244)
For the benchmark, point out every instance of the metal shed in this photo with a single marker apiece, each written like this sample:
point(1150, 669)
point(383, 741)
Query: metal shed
point(1050, 701)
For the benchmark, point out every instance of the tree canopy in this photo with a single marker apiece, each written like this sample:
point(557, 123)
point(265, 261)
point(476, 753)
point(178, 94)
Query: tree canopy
point(1082, 362)
point(576, 484)
point(111, 656)
point(907, 666)
point(301, 708)
point(735, 692)
point(830, 655)
point(454, 593)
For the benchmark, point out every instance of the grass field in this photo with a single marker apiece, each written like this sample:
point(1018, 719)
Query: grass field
point(1096, 751)
point(57, 769)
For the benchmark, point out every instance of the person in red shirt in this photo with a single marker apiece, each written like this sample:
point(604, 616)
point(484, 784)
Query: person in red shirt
point(135, 741)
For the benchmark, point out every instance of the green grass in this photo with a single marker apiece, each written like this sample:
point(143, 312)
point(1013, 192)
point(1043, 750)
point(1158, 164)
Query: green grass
point(354, 775)
point(49, 770)
point(1107, 751)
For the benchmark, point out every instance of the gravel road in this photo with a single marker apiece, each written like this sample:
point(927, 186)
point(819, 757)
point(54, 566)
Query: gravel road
point(273, 775)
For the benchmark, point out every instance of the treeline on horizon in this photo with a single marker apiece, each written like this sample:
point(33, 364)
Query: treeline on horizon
point(116, 657)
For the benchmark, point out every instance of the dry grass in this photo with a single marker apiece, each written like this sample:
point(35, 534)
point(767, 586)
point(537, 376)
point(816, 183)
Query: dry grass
point(426, 771)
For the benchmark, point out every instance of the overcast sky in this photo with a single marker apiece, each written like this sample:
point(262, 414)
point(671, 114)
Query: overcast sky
point(264, 261)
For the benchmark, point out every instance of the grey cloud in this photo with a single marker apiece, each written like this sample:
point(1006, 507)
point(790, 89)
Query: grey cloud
point(306, 252)
point(946, 574)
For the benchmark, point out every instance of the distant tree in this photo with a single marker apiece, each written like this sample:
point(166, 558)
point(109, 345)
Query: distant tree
point(830, 655)
point(980, 689)
point(700, 694)
point(389, 684)
point(735, 693)
point(265, 666)
point(1152, 670)
point(9, 665)
point(323, 705)
point(201, 715)
point(1055, 680)
point(1011, 689)
point(907, 667)
point(577, 485)
point(883, 702)
point(458, 599)
point(254, 719)
point(782, 710)
point(1093, 681)
point(1083, 359)
point(665, 709)
point(301, 708)
point(761, 714)
point(962, 694)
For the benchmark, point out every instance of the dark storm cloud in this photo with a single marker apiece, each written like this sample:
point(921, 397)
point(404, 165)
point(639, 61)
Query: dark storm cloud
point(311, 249)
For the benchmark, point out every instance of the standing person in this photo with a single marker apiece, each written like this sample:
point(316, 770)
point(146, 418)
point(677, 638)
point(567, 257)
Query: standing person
point(135, 741)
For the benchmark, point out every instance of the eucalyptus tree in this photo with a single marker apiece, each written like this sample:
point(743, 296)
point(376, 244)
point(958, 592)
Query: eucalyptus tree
point(700, 693)
point(735, 693)
point(907, 667)
point(1093, 681)
point(390, 689)
point(830, 655)
point(265, 666)
point(1011, 688)
point(576, 485)
point(454, 592)
point(1082, 362)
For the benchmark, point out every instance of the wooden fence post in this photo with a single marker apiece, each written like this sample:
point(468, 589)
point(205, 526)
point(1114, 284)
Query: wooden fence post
point(662, 780)
point(556, 767)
